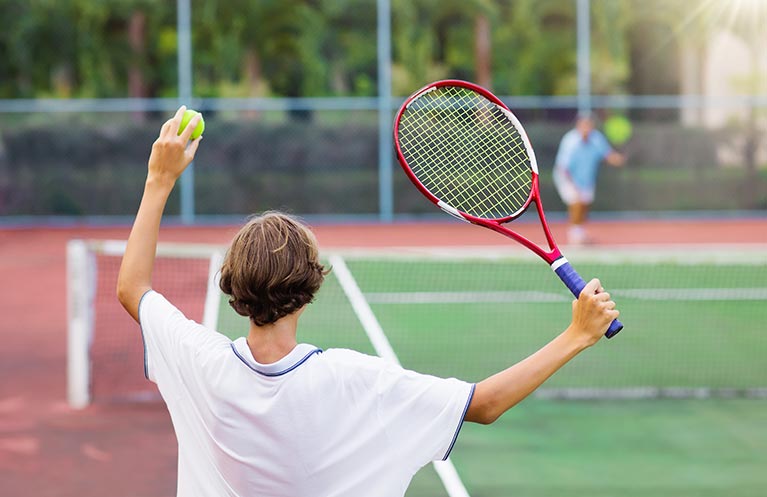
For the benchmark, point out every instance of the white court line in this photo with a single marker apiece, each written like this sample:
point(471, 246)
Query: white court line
point(445, 469)
point(523, 297)
point(464, 297)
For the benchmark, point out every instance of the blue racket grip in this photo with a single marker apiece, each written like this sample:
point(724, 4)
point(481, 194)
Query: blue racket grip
point(575, 283)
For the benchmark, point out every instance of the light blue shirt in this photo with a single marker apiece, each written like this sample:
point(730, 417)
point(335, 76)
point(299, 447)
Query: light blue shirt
point(582, 158)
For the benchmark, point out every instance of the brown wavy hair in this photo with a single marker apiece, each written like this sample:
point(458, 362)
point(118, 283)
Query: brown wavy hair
point(272, 268)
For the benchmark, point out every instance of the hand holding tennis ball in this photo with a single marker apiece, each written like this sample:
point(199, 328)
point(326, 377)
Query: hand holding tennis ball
point(173, 152)
point(188, 115)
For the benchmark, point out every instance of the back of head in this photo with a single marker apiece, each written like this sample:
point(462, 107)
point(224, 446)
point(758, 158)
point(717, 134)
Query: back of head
point(272, 268)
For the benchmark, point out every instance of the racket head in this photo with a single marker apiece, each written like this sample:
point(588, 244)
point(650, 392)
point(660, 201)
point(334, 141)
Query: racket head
point(466, 152)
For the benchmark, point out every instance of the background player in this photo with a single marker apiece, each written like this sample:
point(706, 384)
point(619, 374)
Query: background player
point(576, 166)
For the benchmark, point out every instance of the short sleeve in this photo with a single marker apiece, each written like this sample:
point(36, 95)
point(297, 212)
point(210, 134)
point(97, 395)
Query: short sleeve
point(422, 414)
point(565, 151)
point(601, 143)
point(173, 343)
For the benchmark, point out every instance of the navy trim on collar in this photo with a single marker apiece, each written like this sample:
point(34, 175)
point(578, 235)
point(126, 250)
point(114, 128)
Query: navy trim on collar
point(299, 355)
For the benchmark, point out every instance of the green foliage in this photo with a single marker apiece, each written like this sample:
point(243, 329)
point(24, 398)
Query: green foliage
point(80, 48)
point(117, 48)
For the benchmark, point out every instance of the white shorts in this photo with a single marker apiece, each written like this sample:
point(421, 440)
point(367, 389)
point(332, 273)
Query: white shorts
point(568, 191)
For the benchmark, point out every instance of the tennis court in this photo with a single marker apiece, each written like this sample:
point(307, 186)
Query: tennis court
point(672, 406)
point(643, 447)
point(300, 100)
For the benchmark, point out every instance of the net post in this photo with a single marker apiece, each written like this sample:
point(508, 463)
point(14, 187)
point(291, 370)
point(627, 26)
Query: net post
point(81, 283)
point(212, 293)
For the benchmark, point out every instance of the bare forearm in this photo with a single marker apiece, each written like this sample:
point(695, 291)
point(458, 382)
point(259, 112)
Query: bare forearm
point(171, 154)
point(615, 159)
point(135, 276)
point(593, 311)
point(500, 392)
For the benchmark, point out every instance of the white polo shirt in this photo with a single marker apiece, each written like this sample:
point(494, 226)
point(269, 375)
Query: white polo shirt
point(316, 424)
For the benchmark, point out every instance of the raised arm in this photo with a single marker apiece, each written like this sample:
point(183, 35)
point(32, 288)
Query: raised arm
point(171, 154)
point(592, 314)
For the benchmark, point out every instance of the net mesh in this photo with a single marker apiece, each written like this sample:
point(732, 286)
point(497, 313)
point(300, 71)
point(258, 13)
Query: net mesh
point(117, 351)
point(465, 151)
point(694, 325)
point(691, 329)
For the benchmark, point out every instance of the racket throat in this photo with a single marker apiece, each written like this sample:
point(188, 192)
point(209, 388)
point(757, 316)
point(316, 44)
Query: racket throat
point(452, 211)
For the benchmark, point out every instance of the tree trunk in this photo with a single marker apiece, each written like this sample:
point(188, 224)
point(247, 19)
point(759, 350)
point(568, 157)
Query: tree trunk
point(252, 75)
point(137, 87)
point(482, 51)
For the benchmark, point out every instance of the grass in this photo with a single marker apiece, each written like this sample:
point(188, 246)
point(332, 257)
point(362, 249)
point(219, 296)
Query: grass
point(642, 448)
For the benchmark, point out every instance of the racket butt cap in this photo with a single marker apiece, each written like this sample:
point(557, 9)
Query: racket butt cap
point(614, 328)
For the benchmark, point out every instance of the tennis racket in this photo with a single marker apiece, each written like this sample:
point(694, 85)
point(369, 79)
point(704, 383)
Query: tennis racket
point(468, 154)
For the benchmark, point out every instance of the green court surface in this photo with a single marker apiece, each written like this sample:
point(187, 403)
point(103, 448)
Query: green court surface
point(691, 328)
point(688, 448)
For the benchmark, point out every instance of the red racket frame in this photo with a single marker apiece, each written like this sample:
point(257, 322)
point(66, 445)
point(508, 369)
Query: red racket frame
point(494, 224)
point(558, 263)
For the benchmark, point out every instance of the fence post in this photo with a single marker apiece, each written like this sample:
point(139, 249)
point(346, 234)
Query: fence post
point(584, 55)
point(385, 159)
point(184, 30)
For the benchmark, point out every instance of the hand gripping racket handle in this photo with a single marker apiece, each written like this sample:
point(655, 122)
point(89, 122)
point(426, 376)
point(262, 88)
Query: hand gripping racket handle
point(575, 283)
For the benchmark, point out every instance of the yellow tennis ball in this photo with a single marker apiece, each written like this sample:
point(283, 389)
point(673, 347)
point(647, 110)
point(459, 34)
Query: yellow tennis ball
point(618, 129)
point(188, 115)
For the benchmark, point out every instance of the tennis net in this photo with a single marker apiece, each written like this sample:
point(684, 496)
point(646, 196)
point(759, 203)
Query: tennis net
point(694, 318)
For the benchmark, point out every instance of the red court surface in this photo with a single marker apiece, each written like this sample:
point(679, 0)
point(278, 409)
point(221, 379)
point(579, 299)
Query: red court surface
point(47, 449)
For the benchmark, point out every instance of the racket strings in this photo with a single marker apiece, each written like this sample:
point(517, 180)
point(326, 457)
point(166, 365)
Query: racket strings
point(461, 149)
point(456, 150)
point(452, 177)
point(456, 175)
point(521, 187)
point(466, 152)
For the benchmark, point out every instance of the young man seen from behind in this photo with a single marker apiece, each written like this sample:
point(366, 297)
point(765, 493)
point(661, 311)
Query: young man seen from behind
point(266, 415)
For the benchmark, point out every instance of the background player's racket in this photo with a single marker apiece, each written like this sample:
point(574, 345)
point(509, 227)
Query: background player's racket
point(465, 150)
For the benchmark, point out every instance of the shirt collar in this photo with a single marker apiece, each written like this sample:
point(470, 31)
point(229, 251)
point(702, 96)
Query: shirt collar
point(295, 358)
